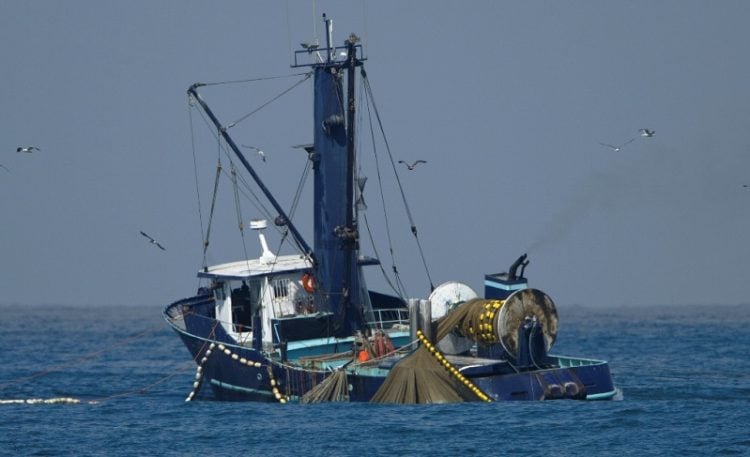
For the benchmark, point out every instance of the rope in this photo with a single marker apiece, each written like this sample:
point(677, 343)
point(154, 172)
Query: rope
point(80, 360)
point(398, 180)
point(255, 200)
point(300, 188)
point(398, 292)
point(195, 166)
point(233, 124)
point(250, 80)
point(142, 390)
point(238, 212)
point(399, 289)
point(206, 240)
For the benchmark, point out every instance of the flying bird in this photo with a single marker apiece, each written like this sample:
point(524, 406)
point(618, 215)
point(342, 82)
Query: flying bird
point(153, 241)
point(258, 150)
point(27, 149)
point(411, 166)
point(618, 148)
point(646, 133)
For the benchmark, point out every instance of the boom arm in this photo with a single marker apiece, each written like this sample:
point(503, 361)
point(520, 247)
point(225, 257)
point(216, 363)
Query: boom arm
point(223, 131)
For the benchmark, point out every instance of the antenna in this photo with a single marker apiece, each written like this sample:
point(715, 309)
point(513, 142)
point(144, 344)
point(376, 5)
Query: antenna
point(267, 256)
point(315, 21)
point(329, 35)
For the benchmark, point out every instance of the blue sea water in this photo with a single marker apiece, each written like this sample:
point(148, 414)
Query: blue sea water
point(683, 371)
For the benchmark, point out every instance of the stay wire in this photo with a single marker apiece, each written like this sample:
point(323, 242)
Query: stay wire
point(396, 290)
point(246, 190)
point(382, 196)
point(244, 187)
point(195, 166)
point(207, 240)
point(300, 188)
point(258, 203)
point(238, 211)
point(363, 104)
point(398, 180)
point(400, 285)
point(255, 200)
point(284, 92)
point(250, 80)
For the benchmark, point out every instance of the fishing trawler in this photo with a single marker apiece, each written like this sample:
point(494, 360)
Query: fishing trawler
point(304, 326)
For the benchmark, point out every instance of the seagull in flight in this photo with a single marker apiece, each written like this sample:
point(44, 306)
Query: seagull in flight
point(153, 241)
point(258, 150)
point(27, 149)
point(646, 133)
point(618, 148)
point(411, 166)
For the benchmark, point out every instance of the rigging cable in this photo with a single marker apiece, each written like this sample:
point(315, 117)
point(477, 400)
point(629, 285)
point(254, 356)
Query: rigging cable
point(195, 165)
point(251, 80)
point(255, 200)
point(246, 190)
point(398, 180)
point(206, 241)
point(399, 288)
point(300, 188)
point(233, 124)
point(289, 34)
point(238, 211)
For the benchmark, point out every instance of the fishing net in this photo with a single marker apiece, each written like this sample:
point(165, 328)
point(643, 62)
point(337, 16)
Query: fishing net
point(425, 376)
point(421, 377)
point(331, 389)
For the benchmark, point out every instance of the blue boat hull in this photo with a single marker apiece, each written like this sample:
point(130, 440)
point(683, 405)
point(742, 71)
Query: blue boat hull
point(238, 373)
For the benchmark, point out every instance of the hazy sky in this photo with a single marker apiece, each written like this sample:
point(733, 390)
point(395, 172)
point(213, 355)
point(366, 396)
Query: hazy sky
point(507, 101)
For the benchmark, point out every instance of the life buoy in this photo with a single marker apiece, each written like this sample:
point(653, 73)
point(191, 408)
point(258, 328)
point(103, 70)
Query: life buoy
point(308, 283)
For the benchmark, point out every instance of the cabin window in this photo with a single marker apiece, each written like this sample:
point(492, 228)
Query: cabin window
point(281, 288)
point(245, 303)
point(219, 291)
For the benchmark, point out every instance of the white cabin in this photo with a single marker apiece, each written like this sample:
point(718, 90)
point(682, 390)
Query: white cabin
point(275, 284)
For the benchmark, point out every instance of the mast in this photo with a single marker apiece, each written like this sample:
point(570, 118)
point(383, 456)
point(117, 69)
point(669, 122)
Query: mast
point(336, 241)
point(351, 234)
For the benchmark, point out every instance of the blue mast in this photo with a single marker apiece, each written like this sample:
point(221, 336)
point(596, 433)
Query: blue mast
point(336, 240)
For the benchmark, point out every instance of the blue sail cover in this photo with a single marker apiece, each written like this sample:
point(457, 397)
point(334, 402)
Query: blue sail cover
point(336, 265)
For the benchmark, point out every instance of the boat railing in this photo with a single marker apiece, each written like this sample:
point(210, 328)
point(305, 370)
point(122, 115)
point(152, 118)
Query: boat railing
point(175, 313)
point(571, 362)
point(389, 318)
point(313, 55)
